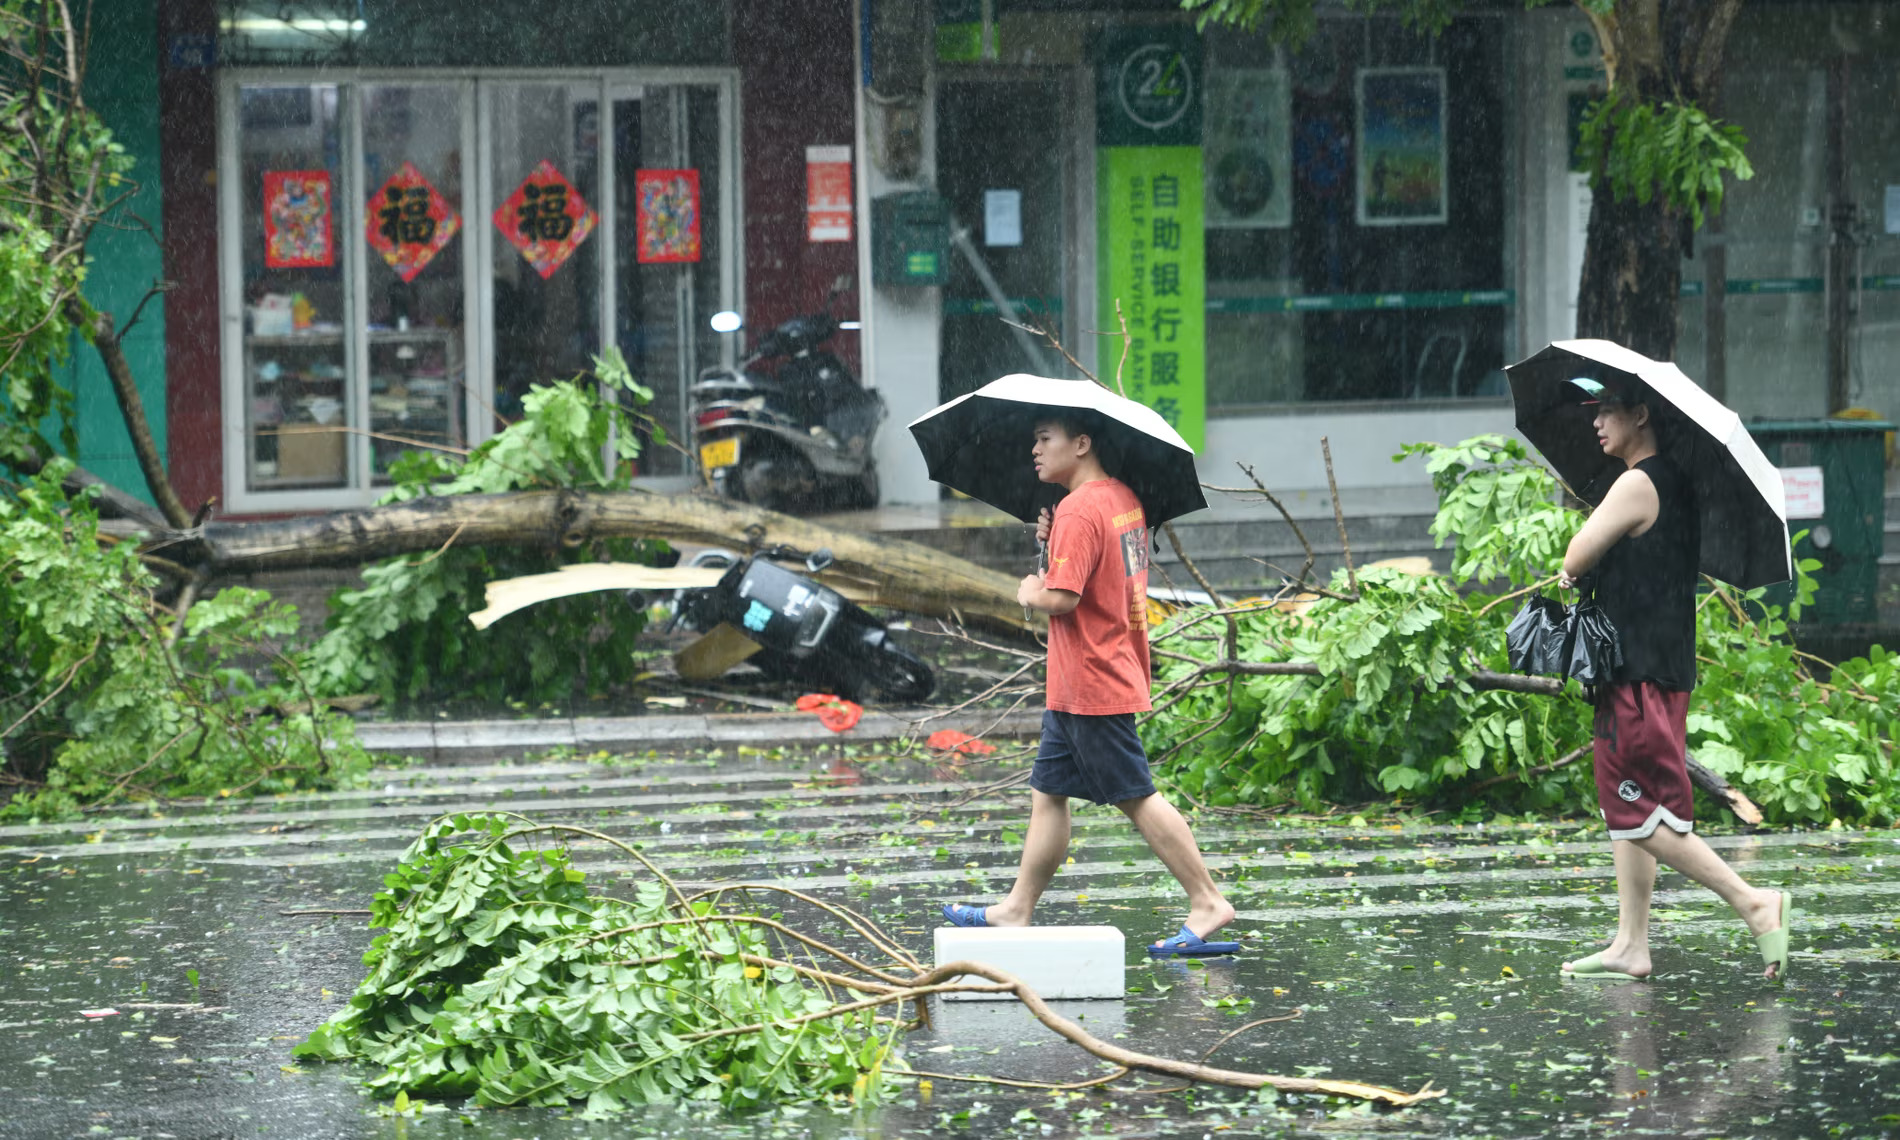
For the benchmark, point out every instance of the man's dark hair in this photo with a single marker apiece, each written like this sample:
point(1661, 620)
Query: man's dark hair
point(1086, 421)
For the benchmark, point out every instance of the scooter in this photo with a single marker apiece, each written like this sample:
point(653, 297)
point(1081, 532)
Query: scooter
point(789, 428)
point(804, 631)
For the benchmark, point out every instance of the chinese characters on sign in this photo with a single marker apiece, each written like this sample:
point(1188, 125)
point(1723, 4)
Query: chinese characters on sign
point(666, 215)
point(545, 218)
point(409, 222)
point(297, 219)
point(828, 193)
point(1150, 195)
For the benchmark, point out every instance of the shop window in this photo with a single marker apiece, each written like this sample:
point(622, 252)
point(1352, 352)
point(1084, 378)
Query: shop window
point(297, 402)
point(543, 266)
point(414, 287)
point(1356, 199)
point(404, 260)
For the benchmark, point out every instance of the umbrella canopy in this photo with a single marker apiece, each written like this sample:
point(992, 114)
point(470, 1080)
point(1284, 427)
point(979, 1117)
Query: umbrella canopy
point(1738, 492)
point(979, 444)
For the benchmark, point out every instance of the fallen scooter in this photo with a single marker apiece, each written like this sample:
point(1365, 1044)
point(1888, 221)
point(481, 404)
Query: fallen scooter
point(792, 628)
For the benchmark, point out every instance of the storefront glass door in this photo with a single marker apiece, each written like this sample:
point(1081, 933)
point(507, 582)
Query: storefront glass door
point(669, 171)
point(360, 324)
point(542, 225)
point(1000, 165)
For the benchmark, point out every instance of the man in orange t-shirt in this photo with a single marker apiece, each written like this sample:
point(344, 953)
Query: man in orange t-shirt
point(1096, 595)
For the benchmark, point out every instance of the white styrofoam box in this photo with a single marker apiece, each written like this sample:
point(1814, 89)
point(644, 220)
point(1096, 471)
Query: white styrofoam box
point(1056, 961)
point(988, 1024)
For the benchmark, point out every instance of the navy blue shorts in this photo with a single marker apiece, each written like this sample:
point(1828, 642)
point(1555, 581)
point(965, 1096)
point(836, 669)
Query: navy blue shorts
point(1094, 758)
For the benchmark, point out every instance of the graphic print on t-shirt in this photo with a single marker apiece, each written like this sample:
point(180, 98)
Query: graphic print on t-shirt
point(1135, 551)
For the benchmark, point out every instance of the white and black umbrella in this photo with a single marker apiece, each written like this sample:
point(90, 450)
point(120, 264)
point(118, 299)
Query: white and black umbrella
point(979, 444)
point(1738, 492)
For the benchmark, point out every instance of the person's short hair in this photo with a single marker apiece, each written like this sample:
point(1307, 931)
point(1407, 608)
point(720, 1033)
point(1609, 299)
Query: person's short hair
point(1087, 421)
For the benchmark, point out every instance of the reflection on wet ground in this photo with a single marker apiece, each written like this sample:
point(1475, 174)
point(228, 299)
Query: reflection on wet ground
point(1415, 954)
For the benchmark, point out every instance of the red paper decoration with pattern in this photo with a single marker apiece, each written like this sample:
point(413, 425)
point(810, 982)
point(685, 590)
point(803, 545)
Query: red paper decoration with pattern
point(409, 221)
point(545, 218)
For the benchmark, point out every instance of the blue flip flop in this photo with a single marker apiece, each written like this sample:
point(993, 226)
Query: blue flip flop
point(963, 914)
point(1188, 944)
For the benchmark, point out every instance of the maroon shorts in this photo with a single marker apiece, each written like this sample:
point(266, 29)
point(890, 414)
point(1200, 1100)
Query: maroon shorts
point(1640, 750)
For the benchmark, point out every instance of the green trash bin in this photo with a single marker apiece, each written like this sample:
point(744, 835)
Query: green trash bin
point(1835, 474)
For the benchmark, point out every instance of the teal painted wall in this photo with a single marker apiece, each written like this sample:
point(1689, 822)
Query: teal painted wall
point(122, 88)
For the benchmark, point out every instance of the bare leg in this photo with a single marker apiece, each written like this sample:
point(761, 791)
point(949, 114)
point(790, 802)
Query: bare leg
point(1173, 843)
point(1760, 909)
point(1628, 953)
point(1636, 874)
point(1043, 851)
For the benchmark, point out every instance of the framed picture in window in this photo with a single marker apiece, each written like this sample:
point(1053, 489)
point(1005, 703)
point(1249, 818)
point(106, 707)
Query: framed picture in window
point(1247, 148)
point(1400, 146)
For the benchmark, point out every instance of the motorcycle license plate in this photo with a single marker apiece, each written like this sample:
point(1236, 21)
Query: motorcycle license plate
point(719, 453)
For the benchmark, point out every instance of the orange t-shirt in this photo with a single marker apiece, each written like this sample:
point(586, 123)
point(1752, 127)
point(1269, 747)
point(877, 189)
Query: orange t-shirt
point(1098, 652)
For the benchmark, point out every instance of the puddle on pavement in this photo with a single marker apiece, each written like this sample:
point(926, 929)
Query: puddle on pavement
point(1412, 955)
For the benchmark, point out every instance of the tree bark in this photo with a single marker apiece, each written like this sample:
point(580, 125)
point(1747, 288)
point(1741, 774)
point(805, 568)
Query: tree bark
point(132, 409)
point(1656, 51)
point(900, 574)
point(1632, 275)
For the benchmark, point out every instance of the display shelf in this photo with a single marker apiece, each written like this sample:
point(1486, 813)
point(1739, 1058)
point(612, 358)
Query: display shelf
point(300, 401)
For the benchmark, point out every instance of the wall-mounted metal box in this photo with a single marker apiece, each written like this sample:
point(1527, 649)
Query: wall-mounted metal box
point(910, 239)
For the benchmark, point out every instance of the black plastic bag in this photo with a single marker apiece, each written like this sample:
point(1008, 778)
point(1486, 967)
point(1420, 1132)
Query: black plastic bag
point(1538, 637)
point(1595, 651)
point(1552, 639)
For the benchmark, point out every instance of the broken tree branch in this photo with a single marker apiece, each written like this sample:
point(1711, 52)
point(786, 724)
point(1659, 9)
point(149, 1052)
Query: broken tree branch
point(112, 501)
point(132, 410)
point(1129, 1059)
point(1339, 517)
point(1261, 489)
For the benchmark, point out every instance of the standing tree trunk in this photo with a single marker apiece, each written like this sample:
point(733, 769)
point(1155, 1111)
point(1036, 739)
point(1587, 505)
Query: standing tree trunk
point(1632, 275)
point(1655, 51)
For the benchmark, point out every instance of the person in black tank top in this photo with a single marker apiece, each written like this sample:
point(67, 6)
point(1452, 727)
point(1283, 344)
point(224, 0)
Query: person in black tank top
point(1638, 553)
point(1646, 585)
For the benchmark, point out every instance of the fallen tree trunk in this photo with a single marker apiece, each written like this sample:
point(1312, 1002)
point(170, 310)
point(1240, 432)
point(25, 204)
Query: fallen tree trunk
point(895, 572)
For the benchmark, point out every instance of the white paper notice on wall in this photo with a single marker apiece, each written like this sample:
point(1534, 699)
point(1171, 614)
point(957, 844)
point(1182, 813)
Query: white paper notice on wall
point(1002, 217)
point(1806, 492)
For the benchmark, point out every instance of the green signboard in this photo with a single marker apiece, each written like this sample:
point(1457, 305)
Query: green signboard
point(961, 29)
point(1150, 253)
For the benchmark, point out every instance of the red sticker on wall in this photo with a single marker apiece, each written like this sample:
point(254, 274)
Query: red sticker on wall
point(409, 221)
point(828, 193)
point(666, 215)
point(545, 218)
point(297, 219)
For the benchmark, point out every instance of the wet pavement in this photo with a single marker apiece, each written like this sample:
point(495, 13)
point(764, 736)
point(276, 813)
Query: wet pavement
point(1412, 954)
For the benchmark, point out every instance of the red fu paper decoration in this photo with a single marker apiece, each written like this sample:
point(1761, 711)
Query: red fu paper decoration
point(297, 219)
point(409, 221)
point(666, 215)
point(545, 218)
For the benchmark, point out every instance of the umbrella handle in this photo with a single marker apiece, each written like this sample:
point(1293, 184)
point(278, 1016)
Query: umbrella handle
point(1042, 567)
